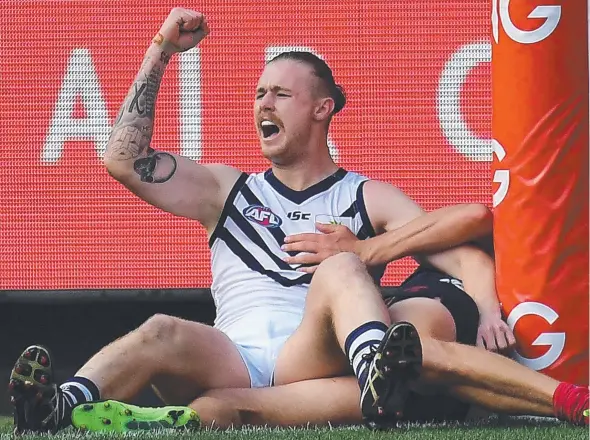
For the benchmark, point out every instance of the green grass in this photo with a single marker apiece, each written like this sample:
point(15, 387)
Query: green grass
point(517, 429)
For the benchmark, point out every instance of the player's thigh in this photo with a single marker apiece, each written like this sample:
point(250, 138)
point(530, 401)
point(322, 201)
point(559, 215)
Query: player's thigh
point(196, 357)
point(314, 402)
point(312, 351)
point(444, 310)
point(429, 316)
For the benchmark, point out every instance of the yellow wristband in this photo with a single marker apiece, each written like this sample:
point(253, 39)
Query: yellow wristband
point(158, 39)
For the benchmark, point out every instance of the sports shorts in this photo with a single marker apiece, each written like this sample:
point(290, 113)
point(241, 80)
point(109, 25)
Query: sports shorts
point(259, 341)
point(428, 282)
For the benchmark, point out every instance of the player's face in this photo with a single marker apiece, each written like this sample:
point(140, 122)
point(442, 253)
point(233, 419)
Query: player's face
point(283, 109)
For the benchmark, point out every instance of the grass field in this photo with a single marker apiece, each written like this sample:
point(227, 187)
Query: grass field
point(517, 429)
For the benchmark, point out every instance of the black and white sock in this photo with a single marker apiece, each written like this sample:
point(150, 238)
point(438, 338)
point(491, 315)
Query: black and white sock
point(358, 344)
point(73, 392)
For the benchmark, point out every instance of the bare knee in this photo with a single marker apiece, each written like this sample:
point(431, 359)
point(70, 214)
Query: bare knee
point(344, 264)
point(335, 277)
point(217, 412)
point(341, 270)
point(157, 329)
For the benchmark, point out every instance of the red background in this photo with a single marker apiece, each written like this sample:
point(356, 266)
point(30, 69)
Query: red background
point(68, 225)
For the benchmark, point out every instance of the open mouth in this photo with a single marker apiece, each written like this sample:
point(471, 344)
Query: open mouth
point(269, 129)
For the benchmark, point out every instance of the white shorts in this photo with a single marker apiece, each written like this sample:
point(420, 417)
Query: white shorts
point(259, 338)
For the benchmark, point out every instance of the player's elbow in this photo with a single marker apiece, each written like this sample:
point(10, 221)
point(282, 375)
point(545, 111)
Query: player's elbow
point(472, 260)
point(479, 211)
point(118, 170)
point(479, 217)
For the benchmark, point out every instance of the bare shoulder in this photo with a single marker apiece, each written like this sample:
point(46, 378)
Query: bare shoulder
point(388, 207)
point(225, 175)
point(378, 188)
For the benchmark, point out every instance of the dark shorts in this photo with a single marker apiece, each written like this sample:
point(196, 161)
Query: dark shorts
point(430, 283)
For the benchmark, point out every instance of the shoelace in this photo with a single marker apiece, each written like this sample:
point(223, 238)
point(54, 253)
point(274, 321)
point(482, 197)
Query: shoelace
point(56, 406)
point(374, 374)
point(368, 357)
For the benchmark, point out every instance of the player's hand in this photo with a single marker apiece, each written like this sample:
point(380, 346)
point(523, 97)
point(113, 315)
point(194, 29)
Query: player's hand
point(494, 334)
point(183, 29)
point(315, 248)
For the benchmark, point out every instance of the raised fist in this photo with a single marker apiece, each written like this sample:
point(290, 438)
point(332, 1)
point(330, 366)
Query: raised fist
point(182, 30)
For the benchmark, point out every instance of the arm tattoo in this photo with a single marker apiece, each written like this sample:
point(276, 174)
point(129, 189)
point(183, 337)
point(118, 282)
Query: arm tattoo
point(127, 142)
point(132, 131)
point(120, 115)
point(152, 86)
point(135, 102)
point(146, 90)
point(146, 167)
point(164, 57)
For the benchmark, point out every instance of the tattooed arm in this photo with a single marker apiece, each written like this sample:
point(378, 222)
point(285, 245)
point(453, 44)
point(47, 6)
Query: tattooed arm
point(168, 181)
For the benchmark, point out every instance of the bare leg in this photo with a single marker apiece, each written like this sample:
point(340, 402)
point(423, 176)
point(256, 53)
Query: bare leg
point(429, 316)
point(341, 297)
point(317, 401)
point(487, 379)
point(187, 357)
point(469, 373)
point(312, 402)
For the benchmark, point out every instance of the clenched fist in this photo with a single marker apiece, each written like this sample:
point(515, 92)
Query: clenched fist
point(182, 30)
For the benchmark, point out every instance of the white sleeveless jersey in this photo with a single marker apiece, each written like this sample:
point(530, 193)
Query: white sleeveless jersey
point(249, 274)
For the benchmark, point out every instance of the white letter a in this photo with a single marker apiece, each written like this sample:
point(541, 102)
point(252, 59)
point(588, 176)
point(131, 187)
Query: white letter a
point(81, 81)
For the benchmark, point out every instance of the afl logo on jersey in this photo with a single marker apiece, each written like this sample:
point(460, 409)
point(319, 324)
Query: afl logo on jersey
point(262, 216)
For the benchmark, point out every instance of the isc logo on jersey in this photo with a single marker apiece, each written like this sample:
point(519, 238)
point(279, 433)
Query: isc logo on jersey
point(262, 216)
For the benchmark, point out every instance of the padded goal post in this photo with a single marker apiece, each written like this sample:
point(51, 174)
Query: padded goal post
point(540, 138)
